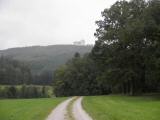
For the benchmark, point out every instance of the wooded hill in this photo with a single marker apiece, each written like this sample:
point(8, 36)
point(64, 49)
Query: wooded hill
point(41, 60)
point(45, 58)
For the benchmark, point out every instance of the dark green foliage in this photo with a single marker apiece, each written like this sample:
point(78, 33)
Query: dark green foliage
point(127, 49)
point(44, 60)
point(45, 78)
point(76, 77)
point(13, 72)
point(44, 92)
point(125, 58)
point(29, 91)
point(11, 92)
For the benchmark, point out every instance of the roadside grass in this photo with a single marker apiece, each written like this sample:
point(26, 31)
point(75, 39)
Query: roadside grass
point(122, 107)
point(69, 115)
point(27, 109)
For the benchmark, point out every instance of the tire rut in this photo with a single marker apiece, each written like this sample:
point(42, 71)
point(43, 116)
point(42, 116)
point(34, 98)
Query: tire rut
point(70, 109)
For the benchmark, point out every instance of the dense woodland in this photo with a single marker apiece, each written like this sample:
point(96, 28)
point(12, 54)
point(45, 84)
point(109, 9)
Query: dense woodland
point(125, 58)
point(40, 61)
point(77, 77)
point(13, 72)
point(31, 66)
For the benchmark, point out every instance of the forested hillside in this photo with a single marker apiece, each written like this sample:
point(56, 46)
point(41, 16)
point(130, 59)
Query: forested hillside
point(44, 60)
point(13, 72)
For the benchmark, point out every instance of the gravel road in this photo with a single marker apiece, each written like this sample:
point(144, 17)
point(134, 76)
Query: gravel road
point(60, 112)
point(78, 112)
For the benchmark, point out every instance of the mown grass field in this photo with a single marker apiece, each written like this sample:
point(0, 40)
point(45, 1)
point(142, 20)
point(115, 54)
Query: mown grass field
point(122, 108)
point(27, 109)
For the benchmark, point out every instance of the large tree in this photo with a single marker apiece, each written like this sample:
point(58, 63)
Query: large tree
point(126, 36)
point(77, 77)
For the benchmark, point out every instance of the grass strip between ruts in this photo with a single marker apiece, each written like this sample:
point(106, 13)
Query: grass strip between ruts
point(69, 114)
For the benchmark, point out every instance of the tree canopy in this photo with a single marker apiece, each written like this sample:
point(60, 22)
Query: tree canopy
point(125, 58)
point(13, 72)
point(128, 45)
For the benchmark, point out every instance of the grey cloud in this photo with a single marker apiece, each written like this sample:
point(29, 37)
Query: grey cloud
point(44, 22)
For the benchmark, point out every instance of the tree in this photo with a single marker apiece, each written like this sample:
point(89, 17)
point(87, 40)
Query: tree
point(127, 45)
point(125, 58)
point(13, 72)
point(11, 92)
point(77, 77)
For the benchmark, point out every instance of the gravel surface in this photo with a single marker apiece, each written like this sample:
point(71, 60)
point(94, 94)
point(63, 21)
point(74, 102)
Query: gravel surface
point(78, 111)
point(60, 112)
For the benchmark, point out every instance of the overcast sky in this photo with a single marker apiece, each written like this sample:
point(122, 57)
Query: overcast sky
point(47, 22)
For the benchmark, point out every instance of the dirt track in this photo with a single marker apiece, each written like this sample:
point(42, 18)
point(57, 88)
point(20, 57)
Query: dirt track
point(60, 112)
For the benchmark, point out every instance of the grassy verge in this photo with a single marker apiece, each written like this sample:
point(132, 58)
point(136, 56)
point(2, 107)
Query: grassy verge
point(69, 115)
point(122, 108)
point(27, 109)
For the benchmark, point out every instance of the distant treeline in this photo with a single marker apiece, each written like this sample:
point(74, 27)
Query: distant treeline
point(36, 64)
point(42, 59)
point(24, 91)
point(125, 58)
point(13, 72)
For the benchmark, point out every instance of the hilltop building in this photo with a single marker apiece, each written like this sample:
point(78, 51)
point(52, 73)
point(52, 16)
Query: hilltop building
point(81, 42)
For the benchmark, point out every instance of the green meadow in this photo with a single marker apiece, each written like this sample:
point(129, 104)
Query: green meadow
point(122, 108)
point(27, 109)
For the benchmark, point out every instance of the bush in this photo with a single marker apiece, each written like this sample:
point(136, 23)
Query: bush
point(24, 91)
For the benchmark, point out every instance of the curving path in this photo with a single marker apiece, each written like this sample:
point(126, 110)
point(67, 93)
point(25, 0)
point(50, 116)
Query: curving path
point(60, 112)
point(78, 112)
